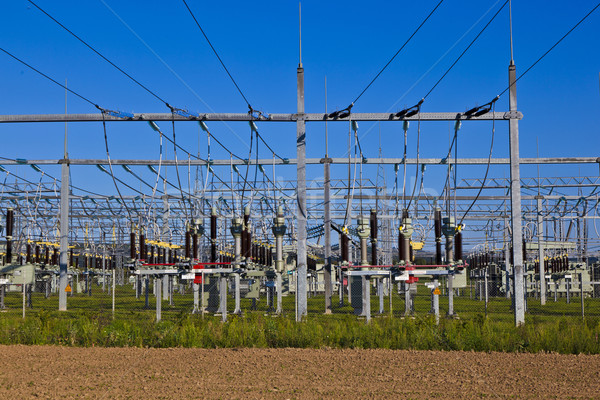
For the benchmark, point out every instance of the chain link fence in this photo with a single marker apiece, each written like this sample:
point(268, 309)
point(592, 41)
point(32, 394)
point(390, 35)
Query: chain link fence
point(363, 293)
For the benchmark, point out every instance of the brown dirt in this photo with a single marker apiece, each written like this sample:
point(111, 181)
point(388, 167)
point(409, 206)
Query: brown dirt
point(121, 373)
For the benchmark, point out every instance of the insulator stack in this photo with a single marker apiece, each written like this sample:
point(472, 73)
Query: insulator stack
point(195, 245)
point(270, 257)
point(249, 244)
point(28, 254)
point(132, 250)
point(246, 240)
point(10, 221)
point(458, 249)
point(404, 250)
point(344, 247)
point(437, 215)
point(143, 254)
point(373, 223)
point(213, 236)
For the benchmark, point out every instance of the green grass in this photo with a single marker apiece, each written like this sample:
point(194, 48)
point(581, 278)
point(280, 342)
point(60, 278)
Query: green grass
point(79, 328)
point(556, 327)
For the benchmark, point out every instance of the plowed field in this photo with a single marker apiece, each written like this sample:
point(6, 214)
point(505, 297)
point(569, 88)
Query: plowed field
point(133, 373)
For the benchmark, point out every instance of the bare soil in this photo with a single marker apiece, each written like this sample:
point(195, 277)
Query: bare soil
point(133, 373)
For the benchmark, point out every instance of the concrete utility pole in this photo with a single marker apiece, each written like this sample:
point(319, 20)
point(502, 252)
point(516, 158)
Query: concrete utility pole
point(327, 216)
point(64, 228)
point(515, 198)
point(540, 235)
point(301, 266)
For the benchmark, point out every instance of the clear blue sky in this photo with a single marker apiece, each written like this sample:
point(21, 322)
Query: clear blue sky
point(346, 41)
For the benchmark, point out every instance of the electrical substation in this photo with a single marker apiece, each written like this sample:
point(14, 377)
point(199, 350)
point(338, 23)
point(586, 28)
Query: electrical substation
point(274, 231)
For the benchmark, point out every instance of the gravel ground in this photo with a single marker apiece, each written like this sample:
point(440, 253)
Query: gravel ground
point(132, 373)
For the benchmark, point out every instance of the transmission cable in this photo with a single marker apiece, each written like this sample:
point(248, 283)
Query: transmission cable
point(51, 177)
point(394, 56)
point(487, 169)
point(285, 160)
point(218, 57)
point(177, 169)
point(418, 153)
point(52, 80)
point(465, 50)
point(111, 169)
point(551, 48)
point(99, 54)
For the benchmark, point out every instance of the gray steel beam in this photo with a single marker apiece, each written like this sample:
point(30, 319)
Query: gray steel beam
point(293, 161)
point(217, 117)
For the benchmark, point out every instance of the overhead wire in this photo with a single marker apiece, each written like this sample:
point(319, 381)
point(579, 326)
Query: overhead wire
point(551, 48)
point(418, 154)
point(247, 168)
point(49, 78)
point(51, 177)
point(465, 50)
point(285, 160)
point(397, 52)
point(487, 169)
point(111, 170)
point(98, 53)
point(118, 68)
point(217, 54)
point(177, 170)
point(154, 188)
point(93, 103)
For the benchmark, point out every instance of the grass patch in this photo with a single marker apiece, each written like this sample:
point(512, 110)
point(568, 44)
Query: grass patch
point(555, 327)
point(79, 328)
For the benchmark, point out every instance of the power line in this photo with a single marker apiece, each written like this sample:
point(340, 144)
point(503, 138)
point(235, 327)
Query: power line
point(551, 48)
point(177, 171)
point(487, 170)
point(49, 78)
point(398, 52)
point(285, 160)
point(51, 177)
point(102, 56)
point(219, 58)
point(465, 50)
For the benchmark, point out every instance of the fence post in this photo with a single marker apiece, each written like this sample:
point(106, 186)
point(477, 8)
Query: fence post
point(581, 294)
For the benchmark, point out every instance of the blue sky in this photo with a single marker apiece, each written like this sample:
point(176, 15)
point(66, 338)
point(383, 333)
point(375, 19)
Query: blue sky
point(346, 41)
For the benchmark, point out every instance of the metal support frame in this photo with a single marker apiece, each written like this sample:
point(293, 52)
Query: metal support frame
point(540, 235)
point(245, 117)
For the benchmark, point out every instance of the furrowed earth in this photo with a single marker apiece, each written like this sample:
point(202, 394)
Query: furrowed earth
point(52, 372)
